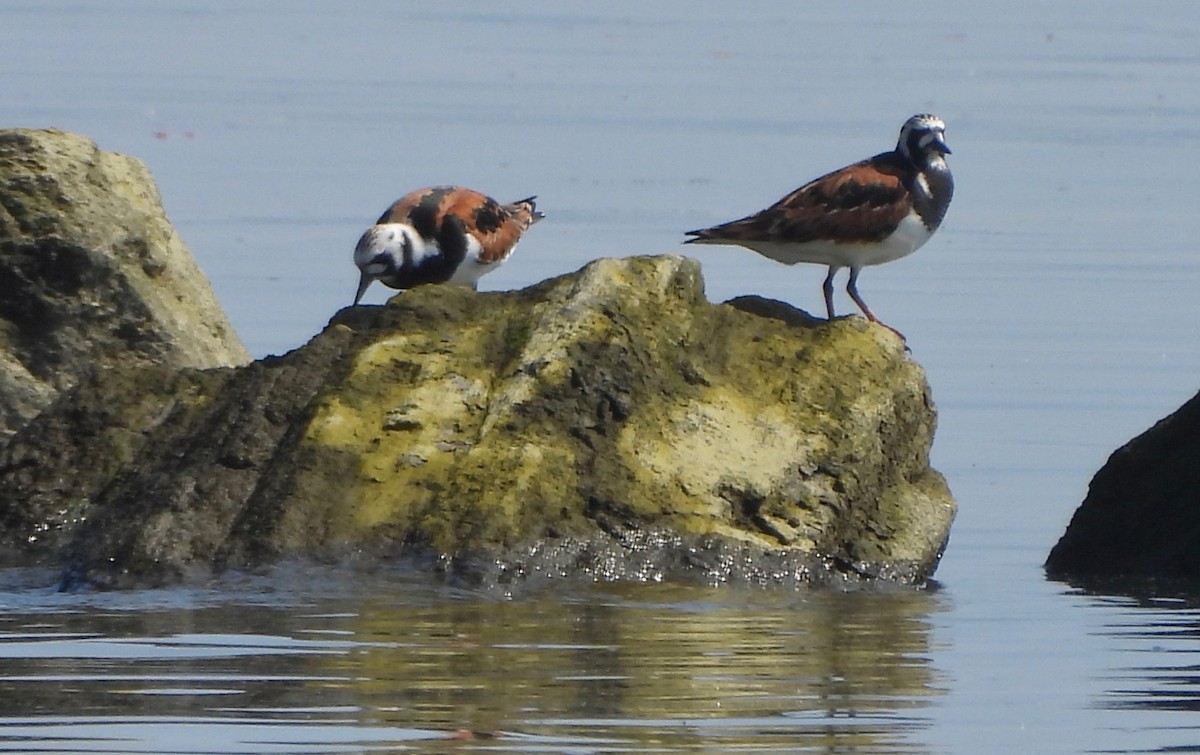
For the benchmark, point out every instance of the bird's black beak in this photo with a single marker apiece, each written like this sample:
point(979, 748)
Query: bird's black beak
point(363, 282)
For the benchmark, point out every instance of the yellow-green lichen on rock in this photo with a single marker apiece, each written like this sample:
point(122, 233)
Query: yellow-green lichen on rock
point(481, 422)
point(608, 424)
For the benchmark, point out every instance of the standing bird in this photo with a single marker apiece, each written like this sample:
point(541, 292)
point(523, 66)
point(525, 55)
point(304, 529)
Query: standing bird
point(444, 234)
point(868, 213)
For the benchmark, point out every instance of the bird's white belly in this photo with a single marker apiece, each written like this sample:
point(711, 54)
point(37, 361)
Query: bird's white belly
point(472, 268)
point(908, 237)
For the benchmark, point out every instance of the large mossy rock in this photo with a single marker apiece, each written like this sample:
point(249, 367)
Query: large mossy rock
point(1141, 517)
point(610, 423)
point(92, 275)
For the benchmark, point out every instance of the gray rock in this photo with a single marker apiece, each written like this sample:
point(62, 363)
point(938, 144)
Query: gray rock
point(1141, 516)
point(93, 274)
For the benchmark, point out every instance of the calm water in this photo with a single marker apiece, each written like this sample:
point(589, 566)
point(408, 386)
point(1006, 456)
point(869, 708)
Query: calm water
point(1055, 313)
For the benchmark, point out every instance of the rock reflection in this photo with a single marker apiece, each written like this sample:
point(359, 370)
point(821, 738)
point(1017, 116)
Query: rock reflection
point(329, 658)
point(1161, 638)
point(658, 666)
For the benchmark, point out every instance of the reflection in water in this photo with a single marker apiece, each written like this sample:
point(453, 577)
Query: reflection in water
point(652, 664)
point(1162, 637)
point(351, 663)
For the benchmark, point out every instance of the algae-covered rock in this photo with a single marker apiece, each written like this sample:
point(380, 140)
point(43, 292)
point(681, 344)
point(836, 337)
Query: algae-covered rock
point(610, 423)
point(92, 273)
point(1141, 516)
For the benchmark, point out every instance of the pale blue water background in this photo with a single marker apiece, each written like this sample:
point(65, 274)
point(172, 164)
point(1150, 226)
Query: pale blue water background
point(1054, 312)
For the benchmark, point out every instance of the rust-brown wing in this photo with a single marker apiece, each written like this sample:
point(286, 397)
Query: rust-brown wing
point(860, 203)
point(497, 227)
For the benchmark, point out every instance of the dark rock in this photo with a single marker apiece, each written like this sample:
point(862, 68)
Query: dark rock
point(1141, 516)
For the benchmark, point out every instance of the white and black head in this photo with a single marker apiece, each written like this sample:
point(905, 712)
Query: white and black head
point(923, 140)
point(382, 252)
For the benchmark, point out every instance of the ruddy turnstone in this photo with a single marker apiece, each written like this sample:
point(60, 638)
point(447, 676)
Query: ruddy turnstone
point(444, 234)
point(868, 213)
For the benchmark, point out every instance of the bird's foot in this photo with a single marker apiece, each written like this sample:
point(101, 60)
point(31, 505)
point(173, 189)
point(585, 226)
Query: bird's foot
point(899, 335)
